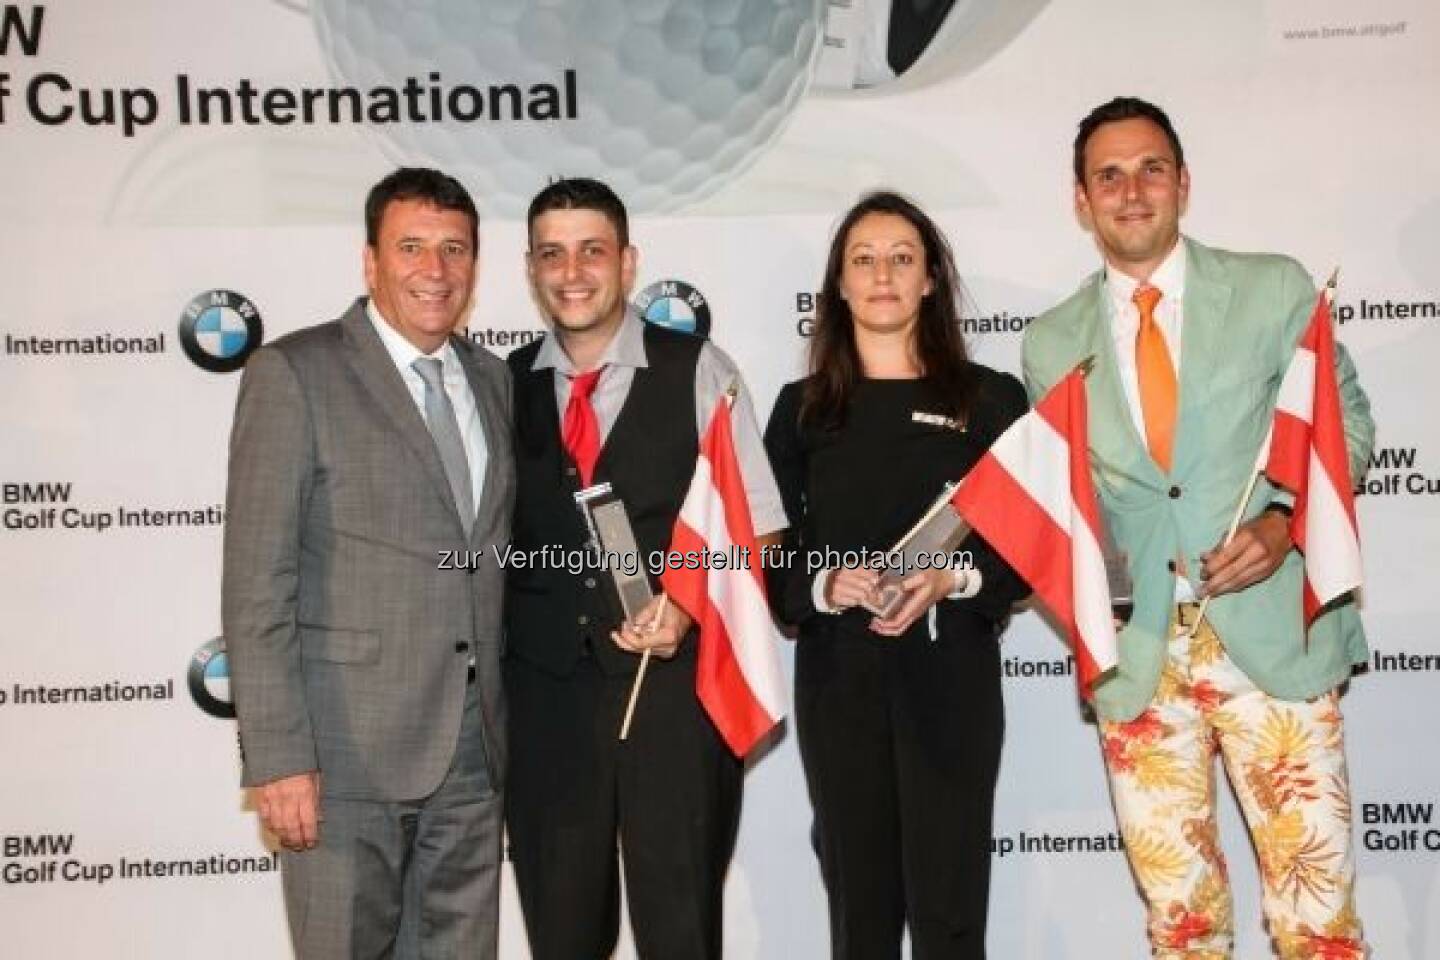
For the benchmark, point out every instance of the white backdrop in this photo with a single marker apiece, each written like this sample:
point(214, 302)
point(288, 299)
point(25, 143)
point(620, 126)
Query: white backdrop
point(1309, 127)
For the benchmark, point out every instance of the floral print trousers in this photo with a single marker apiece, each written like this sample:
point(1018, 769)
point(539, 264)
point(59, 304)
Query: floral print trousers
point(1286, 762)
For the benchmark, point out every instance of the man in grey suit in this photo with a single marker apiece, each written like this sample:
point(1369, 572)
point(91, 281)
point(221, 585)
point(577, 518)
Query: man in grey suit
point(370, 479)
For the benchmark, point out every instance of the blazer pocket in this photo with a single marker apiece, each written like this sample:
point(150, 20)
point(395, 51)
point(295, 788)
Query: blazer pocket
point(1244, 380)
point(1124, 490)
point(339, 646)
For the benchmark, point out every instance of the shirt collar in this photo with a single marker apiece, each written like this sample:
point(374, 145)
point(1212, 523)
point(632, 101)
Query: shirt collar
point(626, 349)
point(1169, 277)
point(402, 351)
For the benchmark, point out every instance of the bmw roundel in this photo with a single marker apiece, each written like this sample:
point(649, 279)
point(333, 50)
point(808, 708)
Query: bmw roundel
point(209, 679)
point(676, 305)
point(219, 329)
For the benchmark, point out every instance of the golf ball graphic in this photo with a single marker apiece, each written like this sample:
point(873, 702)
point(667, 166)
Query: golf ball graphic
point(872, 44)
point(666, 100)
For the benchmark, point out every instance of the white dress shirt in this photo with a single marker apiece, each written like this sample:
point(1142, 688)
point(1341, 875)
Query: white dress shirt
point(1169, 279)
point(457, 388)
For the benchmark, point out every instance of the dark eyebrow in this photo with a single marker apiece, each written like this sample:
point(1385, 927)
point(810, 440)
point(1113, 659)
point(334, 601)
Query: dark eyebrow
point(1144, 161)
point(415, 238)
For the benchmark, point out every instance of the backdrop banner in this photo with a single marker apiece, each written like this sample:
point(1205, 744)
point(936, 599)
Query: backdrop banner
point(181, 181)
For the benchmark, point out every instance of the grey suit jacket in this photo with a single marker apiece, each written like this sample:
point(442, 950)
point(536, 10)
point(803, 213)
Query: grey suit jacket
point(348, 644)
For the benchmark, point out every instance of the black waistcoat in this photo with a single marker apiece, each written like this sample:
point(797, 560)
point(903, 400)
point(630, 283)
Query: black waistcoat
point(554, 616)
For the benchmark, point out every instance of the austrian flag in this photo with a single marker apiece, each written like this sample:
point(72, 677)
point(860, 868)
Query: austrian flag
point(738, 676)
point(1032, 498)
point(1308, 457)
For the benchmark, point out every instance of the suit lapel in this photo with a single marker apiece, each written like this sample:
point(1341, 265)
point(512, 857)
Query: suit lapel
point(1207, 305)
point(1112, 430)
point(497, 434)
point(376, 371)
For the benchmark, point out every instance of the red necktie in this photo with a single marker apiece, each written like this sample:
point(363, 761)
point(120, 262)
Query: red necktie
point(581, 430)
point(1156, 373)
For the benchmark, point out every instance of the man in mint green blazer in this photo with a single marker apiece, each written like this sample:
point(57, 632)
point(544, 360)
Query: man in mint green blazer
point(1190, 344)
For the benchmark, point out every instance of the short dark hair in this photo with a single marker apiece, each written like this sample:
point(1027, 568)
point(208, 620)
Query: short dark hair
point(580, 193)
point(1123, 108)
point(419, 183)
point(834, 362)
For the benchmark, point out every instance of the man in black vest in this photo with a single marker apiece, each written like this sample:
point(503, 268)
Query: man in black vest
point(609, 398)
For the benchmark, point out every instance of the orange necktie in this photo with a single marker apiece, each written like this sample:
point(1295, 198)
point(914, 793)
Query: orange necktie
point(1158, 389)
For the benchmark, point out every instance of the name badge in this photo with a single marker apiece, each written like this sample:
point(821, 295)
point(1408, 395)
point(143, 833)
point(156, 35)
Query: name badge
point(937, 420)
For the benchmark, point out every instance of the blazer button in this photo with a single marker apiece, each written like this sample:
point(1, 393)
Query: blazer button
point(571, 471)
point(461, 646)
point(583, 620)
point(1174, 493)
point(1170, 565)
point(590, 583)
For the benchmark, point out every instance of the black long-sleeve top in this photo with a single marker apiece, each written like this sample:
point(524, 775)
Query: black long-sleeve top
point(862, 485)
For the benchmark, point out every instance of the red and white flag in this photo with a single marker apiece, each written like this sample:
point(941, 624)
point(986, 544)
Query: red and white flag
point(1032, 498)
point(1308, 457)
point(738, 677)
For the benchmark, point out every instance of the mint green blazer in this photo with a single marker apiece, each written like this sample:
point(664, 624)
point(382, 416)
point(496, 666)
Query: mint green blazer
point(1243, 315)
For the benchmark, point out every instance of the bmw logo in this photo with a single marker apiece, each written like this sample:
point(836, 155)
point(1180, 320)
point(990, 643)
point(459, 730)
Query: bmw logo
point(219, 330)
point(676, 305)
point(209, 679)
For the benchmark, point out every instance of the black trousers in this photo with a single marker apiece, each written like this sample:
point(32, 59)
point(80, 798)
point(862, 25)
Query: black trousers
point(901, 745)
point(670, 793)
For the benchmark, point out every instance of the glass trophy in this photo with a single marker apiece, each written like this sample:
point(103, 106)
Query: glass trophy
point(935, 535)
point(614, 541)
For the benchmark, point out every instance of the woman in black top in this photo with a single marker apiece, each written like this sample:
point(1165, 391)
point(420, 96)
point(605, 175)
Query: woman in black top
point(899, 719)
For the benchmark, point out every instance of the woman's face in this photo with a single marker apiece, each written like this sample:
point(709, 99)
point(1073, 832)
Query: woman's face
point(884, 276)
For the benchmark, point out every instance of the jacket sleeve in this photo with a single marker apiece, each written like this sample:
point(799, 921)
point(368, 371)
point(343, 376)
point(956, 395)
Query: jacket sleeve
point(1355, 406)
point(1037, 379)
point(272, 464)
point(786, 579)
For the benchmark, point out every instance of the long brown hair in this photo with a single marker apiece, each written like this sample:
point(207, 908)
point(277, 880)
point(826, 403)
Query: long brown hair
point(835, 365)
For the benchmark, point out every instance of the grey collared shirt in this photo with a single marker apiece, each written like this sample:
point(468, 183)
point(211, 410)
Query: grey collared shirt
point(715, 372)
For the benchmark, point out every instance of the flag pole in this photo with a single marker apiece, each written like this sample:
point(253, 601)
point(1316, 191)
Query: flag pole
point(727, 397)
point(1254, 478)
point(640, 674)
point(1230, 534)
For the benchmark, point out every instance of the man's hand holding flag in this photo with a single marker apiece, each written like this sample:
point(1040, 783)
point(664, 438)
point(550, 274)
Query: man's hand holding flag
point(1308, 457)
point(738, 676)
point(1305, 453)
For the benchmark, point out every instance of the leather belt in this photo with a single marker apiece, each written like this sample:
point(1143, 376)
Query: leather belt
point(1186, 614)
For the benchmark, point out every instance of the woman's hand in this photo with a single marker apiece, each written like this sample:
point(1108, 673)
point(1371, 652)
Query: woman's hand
point(922, 591)
point(848, 587)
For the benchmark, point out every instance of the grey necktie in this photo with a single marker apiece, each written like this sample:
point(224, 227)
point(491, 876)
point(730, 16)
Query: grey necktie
point(445, 428)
